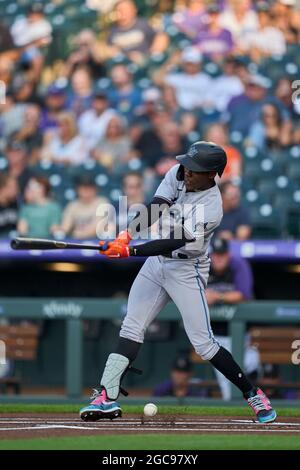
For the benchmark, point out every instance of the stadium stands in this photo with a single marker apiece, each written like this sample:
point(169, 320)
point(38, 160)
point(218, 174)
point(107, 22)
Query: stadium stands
point(271, 175)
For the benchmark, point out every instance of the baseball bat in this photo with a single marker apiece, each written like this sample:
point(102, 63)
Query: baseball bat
point(41, 244)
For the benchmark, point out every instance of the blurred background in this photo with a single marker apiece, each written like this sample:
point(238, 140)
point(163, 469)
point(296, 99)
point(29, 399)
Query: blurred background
point(96, 100)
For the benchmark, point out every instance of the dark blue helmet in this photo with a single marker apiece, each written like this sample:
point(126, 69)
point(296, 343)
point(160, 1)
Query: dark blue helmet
point(204, 157)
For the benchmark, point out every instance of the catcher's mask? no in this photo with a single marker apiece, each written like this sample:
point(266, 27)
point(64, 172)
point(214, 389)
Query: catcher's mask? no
point(203, 157)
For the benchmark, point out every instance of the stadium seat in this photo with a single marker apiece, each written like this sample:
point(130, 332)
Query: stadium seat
point(236, 138)
point(293, 170)
point(251, 170)
point(281, 202)
point(267, 222)
point(212, 69)
point(293, 53)
point(253, 198)
point(114, 194)
point(273, 67)
point(247, 184)
point(278, 155)
point(90, 169)
point(47, 169)
point(251, 153)
point(293, 153)
point(293, 214)
point(176, 37)
point(270, 168)
point(266, 188)
point(3, 163)
point(135, 164)
point(293, 223)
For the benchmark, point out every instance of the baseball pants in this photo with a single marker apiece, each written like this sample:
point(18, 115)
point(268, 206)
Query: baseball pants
point(162, 279)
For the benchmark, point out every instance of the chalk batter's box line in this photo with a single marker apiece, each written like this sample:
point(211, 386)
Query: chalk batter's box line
point(117, 428)
point(100, 424)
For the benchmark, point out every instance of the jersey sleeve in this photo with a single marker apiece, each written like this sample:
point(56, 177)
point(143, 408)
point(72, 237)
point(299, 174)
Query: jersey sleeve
point(168, 187)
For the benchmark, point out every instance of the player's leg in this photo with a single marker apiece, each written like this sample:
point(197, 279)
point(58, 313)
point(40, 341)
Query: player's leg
point(191, 302)
point(146, 298)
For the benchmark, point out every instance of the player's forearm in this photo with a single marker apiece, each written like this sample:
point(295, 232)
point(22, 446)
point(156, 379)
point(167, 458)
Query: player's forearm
point(157, 247)
point(153, 212)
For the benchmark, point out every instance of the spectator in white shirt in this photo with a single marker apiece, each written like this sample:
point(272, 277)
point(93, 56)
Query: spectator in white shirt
point(268, 40)
point(227, 85)
point(66, 146)
point(33, 27)
point(93, 123)
point(191, 84)
point(287, 18)
point(30, 33)
point(239, 18)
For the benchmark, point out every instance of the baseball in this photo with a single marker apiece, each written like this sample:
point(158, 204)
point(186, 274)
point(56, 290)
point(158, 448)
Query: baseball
point(150, 409)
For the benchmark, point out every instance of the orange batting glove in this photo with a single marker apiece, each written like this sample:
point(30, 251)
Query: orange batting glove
point(124, 237)
point(114, 249)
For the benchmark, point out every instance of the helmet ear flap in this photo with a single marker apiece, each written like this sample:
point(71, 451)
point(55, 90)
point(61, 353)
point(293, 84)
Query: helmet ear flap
point(180, 173)
point(221, 171)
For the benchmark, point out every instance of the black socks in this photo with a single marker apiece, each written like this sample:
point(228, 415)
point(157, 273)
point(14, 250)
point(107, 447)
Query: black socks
point(224, 362)
point(128, 348)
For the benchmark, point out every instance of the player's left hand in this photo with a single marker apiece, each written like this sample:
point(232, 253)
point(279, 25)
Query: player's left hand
point(114, 249)
point(123, 238)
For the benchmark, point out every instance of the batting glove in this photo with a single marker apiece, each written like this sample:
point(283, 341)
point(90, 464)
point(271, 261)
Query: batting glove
point(124, 237)
point(114, 249)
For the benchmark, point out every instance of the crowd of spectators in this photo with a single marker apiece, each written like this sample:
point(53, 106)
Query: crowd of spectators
point(128, 98)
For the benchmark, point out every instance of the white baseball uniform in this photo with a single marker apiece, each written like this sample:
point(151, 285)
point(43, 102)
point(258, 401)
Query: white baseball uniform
point(182, 277)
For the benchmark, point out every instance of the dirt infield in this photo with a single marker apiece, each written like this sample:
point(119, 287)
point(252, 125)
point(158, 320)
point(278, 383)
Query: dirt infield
point(28, 426)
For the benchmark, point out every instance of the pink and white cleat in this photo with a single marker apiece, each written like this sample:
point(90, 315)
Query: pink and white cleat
point(100, 408)
point(261, 406)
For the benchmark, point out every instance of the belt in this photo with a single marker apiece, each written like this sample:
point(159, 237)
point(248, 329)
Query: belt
point(179, 256)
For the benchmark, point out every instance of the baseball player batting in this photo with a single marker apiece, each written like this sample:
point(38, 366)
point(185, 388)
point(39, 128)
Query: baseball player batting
point(177, 269)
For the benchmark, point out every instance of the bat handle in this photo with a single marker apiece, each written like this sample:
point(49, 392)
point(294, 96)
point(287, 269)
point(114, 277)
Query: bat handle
point(103, 246)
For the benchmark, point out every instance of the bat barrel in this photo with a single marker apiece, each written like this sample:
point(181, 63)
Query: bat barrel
point(36, 244)
point(41, 244)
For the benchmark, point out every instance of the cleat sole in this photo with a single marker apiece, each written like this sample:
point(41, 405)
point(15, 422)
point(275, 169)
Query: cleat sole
point(96, 415)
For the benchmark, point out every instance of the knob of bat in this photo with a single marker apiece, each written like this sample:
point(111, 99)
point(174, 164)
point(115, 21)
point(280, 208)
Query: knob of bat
point(14, 244)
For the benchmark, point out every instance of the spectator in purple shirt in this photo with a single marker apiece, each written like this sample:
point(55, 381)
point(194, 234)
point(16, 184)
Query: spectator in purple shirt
point(230, 280)
point(54, 104)
point(179, 384)
point(191, 19)
point(244, 110)
point(214, 41)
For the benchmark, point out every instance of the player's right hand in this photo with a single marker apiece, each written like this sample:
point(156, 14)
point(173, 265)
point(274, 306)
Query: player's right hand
point(124, 237)
point(114, 249)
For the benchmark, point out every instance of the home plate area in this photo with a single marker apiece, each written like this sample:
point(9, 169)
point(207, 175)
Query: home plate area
point(37, 425)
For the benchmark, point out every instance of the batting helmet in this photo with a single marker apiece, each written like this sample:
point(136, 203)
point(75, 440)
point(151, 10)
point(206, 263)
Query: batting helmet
point(204, 157)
